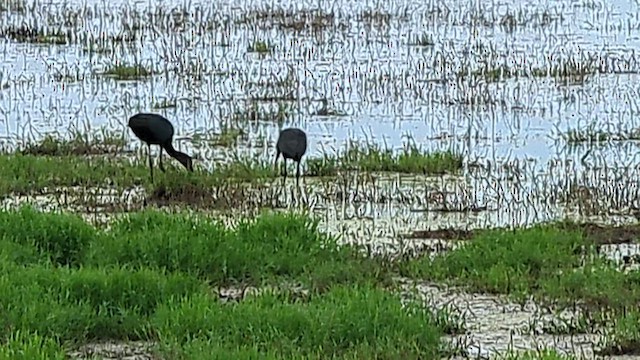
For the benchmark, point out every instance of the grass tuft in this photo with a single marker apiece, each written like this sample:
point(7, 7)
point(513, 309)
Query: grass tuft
point(21, 345)
point(372, 158)
point(128, 72)
point(361, 322)
point(60, 238)
point(269, 247)
point(102, 143)
point(551, 262)
point(261, 47)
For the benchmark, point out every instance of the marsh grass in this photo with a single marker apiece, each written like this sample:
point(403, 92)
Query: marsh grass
point(148, 277)
point(228, 186)
point(29, 174)
point(554, 263)
point(15, 6)
point(624, 338)
point(254, 112)
point(95, 48)
point(423, 39)
point(128, 72)
point(54, 163)
point(592, 135)
point(22, 345)
point(295, 20)
point(165, 104)
point(25, 174)
point(227, 137)
point(261, 47)
point(353, 323)
point(372, 158)
point(577, 68)
point(28, 34)
point(103, 142)
point(322, 166)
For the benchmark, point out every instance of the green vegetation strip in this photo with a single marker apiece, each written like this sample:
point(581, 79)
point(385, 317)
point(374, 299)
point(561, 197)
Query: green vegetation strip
point(555, 264)
point(25, 174)
point(150, 277)
point(363, 157)
point(78, 144)
point(372, 158)
point(28, 174)
point(546, 261)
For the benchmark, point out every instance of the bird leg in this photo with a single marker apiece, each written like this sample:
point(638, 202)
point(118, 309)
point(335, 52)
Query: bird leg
point(150, 162)
point(284, 168)
point(275, 164)
point(298, 174)
point(160, 162)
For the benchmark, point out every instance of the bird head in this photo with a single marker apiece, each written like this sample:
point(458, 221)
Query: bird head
point(185, 160)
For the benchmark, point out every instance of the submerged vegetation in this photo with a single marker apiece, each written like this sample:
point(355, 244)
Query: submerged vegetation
point(128, 72)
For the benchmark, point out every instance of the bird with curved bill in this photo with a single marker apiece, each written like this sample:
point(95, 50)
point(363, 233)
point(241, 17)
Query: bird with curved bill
point(292, 144)
point(154, 129)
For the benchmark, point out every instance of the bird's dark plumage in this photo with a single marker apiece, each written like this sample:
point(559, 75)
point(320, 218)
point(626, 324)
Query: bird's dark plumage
point(292, 144)
point(155, 129)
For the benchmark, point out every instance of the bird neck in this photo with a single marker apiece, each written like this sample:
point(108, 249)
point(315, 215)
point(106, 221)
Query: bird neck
point(168, 147)
point(178, 155)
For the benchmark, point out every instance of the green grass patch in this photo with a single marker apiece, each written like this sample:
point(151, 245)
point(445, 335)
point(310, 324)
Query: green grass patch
point(566, 69)
point(29, 236)
point(271, 246)
point(27, 174)
point(410, 160)
point(552, 262)
point(624, 338)
point(21, 345)
point(79, 305)
point(354, 323)
point(34, 35)
point(149, 277)
point(103, 142)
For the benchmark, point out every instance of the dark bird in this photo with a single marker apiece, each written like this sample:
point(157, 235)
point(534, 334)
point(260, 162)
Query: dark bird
point(292, 144)
point(155, 129)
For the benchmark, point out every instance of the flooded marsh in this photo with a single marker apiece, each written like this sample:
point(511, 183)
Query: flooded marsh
point(470, 187)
